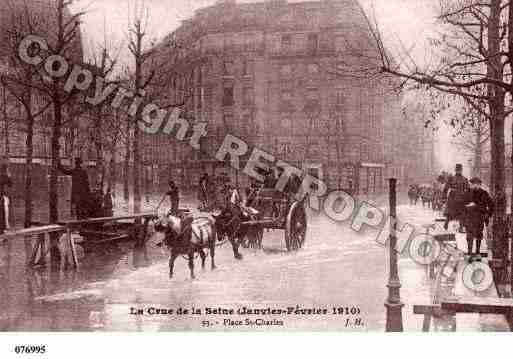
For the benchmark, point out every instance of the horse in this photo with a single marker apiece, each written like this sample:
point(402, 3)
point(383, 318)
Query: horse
point(230, 223)
point(413, 194)
point(426, 195)
point(187, 236)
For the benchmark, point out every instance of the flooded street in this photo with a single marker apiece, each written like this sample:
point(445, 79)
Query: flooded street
point(337, 268)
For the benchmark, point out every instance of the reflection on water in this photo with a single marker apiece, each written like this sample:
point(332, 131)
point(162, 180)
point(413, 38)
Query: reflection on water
point(49, 298)
point(335, 268)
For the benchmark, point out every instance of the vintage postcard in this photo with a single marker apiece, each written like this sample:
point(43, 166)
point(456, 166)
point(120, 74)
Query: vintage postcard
point(255, 166)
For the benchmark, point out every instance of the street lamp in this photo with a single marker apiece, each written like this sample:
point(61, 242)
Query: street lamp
point(394, 322)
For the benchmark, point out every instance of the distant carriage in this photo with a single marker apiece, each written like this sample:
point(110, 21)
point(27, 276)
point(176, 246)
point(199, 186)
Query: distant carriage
point(426, 194)
point(413, 193)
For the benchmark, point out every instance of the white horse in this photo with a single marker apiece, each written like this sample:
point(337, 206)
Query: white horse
point(187, 237)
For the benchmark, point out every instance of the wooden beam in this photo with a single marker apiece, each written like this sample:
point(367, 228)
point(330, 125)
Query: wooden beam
point(32, 231)
point(484, 305)
point(80, 222)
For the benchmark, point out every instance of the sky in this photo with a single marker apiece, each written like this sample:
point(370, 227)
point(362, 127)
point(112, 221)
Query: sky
point(404, 23)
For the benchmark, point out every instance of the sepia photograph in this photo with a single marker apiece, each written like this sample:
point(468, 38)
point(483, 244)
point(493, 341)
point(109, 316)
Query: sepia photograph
point(255, 166)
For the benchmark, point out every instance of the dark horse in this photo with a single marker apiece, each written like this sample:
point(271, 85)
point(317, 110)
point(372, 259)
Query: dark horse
point(187, 236)
point(232, 223)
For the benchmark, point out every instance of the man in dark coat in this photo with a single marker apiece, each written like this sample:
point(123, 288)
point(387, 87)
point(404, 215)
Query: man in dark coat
point(454, 190)
point(80, 191)
point(5, 181)
point(174, 196)
point(479, 208)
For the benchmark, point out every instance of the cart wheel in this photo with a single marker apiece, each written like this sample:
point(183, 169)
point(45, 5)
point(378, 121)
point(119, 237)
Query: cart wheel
point(295, 227)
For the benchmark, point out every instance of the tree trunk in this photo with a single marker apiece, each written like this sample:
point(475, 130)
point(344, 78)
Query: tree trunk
point(496, 105)
point(29, 151)
point(478, 152)
point(6, 122)
point(126, 165)
point(137, 171)
point(112, 171)
point(53, 186)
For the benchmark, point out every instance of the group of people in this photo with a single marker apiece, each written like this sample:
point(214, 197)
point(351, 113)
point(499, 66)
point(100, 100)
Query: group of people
point(214, 191)
point(468, 203)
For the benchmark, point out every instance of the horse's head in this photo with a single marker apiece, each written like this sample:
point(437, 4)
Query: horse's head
point(169, 225)
point(225, 221)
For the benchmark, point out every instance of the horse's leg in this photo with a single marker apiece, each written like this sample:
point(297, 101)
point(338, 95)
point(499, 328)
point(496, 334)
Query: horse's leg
point(212, 253)
point(172, 258)
point(203, 257)
point(191, 263)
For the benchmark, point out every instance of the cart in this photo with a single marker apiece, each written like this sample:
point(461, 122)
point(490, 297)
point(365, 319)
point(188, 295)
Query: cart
point(277, 211)
point(106, 232)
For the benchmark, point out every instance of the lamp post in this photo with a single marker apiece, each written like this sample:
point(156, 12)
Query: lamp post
point(393, 303)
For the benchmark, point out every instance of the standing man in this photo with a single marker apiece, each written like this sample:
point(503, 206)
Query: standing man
point(455, 190)
point(174, 198)
point(80, 190)
point(479, 208)
point(5, 181)
point(203, 185)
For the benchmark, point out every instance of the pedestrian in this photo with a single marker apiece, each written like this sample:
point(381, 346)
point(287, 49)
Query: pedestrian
point(479, 208)
point(108, 205)
point(80, 190)
point(202, 191)
point(174, 197)
point(455, 190)
point(5, 181)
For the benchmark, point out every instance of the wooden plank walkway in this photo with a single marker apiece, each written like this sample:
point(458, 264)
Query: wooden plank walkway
point(472, 309)
point(40, 250)
point(467, 321)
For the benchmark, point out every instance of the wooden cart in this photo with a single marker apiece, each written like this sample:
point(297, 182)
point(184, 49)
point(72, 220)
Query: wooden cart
point(277, 211)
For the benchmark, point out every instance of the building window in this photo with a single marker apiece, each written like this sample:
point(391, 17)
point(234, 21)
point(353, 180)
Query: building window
point(227, 121)
point(247, 67)
point(200, 97)
point(286, 96)
point(285, 149)
point(313, 43)
point(340, 43)
point(313, 69)
point(250, 42)
point(228, 96)
point(247, 96)
point(228, 68)
point(314, 149)
point(245, 123)
point(312, 122)
point(286, 123)
point(339, 97)
point(312, 94)
point(286, 42)
point(286, 70)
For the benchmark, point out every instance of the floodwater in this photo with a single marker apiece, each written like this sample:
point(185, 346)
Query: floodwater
point(338, 271)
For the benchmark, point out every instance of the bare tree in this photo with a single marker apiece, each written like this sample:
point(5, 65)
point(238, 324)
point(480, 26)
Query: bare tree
point(62, 31)
point(137, 46)
point(472, 135)
point(472, 62)
point(22, 83)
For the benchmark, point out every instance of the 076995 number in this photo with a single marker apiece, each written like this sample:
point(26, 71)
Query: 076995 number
point(30, 349)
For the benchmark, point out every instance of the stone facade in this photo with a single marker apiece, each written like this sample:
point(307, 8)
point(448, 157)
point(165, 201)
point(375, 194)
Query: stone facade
point(293, 79)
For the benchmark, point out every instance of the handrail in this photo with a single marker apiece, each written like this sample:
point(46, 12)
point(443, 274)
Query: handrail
point(107, 219)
